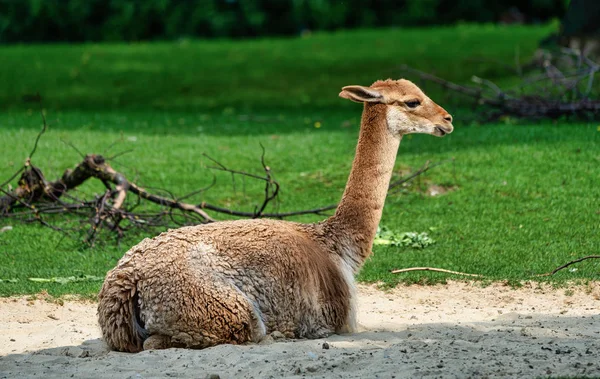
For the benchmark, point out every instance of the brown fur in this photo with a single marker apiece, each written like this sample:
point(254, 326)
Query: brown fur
point(236, 281)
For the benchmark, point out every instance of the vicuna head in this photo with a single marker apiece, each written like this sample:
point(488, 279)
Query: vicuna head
point(408, 109)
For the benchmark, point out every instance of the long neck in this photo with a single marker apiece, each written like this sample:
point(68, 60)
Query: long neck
point(358, 214)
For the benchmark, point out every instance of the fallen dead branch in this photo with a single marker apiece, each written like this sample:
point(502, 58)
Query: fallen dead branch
point(38, 196)
point(116, 210)
point(557, 84)
point(568, 264)
point(434, 269)
point(409, 269)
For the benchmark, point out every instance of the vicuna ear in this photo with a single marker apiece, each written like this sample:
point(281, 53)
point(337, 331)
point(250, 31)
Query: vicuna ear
point(361, 94)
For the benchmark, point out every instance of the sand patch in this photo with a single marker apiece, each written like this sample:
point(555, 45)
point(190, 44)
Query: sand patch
point(453, 330)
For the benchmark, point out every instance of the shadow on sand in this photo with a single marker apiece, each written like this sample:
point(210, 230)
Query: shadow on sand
point(512, 345)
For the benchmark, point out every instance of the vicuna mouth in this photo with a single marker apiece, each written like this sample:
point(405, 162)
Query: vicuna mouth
point(441, 131)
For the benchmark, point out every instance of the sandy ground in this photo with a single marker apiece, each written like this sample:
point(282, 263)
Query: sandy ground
point(456, 330)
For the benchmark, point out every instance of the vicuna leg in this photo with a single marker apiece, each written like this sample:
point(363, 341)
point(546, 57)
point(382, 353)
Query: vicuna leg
point(209, 312)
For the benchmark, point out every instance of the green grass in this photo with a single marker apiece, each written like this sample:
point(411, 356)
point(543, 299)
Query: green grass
point(525, 197)
point(256, 74)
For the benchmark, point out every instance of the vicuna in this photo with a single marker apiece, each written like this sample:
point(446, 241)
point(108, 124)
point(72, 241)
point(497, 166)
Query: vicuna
point(237, 281)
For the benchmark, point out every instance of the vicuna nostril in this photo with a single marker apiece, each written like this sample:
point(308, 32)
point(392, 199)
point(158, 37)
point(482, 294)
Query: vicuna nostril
point(448, 118)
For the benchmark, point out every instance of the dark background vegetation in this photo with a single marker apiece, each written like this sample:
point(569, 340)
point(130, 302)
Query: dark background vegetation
point(133, 20)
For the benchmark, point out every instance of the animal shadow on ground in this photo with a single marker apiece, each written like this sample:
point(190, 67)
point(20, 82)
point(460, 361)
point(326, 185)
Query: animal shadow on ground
point(511, 345)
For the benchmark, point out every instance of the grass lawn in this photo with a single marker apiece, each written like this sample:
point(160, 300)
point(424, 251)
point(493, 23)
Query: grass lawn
point(524, 197)
point(301, 73)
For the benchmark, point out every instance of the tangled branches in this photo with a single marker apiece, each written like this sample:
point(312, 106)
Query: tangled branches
point(556, 84)
point(36, 198)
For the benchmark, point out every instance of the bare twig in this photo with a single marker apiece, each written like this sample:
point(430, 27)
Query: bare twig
point(37, 139)
point(426, 167)
point(70, 144)
point(568, 264)
point(13, 176)
point(444, 83)
point(169, 203)
point(316, 211)
point(112, 157)
point(436, 270)
point(28, 159)
point(204, 189)
point(409, 269)
point(271, 186)
point(554, 92)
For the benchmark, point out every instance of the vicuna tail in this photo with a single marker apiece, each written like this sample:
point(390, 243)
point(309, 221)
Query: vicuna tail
point(119, 313)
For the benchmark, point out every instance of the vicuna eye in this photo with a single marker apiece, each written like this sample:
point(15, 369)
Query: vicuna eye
point(412, 103)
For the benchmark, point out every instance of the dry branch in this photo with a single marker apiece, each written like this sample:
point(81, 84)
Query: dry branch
point(409, 269)
point(562, 85)
point(570, 263)
point(434, 269)
point(35, 197)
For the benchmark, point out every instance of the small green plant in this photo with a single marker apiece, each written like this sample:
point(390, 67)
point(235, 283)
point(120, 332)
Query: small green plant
point(415, 240)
